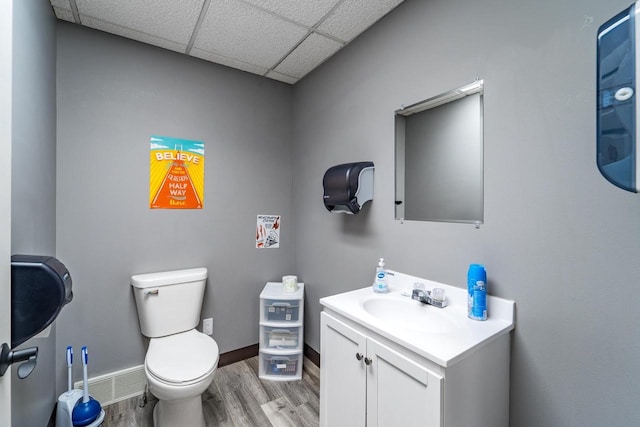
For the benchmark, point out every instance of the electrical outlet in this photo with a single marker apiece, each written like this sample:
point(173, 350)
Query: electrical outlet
point(207, 326)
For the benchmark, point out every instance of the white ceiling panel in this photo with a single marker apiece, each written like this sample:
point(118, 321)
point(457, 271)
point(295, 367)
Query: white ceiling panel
point(352, 17)
point(307, 12)
point(132, 34)
point(64, 4)
point(280, 39)
point(229, 62)
point(237, 30)
point(166, 19)
point(311, 53)
point(64, 14)
point(281, 77)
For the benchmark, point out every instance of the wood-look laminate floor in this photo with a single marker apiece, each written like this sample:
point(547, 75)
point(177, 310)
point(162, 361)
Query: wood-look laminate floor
point(238, 398)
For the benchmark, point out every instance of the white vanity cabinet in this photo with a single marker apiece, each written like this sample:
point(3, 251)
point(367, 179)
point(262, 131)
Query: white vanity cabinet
point(389, 361)
point(366, 383)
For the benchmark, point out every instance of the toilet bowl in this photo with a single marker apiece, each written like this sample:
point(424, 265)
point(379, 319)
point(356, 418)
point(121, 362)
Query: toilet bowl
point(180, 362)
point(179, 368)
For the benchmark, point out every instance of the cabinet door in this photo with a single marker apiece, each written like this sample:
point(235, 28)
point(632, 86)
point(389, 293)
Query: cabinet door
point(400, 392)
point(342, 375)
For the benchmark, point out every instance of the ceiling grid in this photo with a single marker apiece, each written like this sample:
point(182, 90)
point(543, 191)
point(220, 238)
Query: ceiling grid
point(280, 39)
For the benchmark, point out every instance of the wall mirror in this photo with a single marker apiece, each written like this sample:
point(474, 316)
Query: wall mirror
point(439, 157)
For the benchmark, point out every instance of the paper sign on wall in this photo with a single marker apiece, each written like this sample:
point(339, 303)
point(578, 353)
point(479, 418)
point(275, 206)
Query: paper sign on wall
point(176, 173)
point(268, 231)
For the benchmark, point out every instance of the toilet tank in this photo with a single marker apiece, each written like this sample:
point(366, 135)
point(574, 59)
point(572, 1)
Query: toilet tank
point(169, 302)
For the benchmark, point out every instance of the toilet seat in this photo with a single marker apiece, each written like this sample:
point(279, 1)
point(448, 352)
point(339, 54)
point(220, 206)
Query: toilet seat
point(183, 358)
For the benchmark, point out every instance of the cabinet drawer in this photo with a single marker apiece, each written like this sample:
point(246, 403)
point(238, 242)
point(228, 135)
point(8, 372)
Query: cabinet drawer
point(280, 310)
point(282, 338)
point(277, 366)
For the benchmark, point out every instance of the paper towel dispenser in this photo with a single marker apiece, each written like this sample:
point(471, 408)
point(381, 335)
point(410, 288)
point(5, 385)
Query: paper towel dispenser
point(347, 187)
point(618, 115)
point(40, 287)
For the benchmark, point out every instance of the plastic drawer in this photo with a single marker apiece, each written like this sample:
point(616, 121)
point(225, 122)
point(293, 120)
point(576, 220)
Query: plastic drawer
point(281, 310)
point(282, 338)
point(284, 367)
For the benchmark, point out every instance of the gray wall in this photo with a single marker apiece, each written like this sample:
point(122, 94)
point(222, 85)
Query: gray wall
point(33, 184)
point(6, 82)
point(558, 238)
point(113, 94)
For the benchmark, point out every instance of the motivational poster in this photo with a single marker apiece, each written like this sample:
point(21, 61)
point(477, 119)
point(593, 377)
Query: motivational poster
point(176, 173)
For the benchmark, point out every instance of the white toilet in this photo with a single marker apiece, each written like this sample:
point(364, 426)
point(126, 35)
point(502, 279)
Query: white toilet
point(180, 361)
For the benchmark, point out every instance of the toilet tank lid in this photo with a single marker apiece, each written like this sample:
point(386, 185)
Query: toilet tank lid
point(152, 280)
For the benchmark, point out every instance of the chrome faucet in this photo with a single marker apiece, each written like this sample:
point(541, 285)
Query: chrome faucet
point(428, 297)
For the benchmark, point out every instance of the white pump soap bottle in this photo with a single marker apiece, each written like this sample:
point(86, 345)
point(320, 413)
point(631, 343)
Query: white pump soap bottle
point(381, 283)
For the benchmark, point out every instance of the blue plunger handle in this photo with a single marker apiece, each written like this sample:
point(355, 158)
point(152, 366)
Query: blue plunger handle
point(85, 382)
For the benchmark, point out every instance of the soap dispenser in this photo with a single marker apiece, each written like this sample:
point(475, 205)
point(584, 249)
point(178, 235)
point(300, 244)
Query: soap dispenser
point(381, 283)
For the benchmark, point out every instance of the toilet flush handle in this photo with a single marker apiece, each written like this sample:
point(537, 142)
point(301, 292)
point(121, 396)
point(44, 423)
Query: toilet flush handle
point(153, 292)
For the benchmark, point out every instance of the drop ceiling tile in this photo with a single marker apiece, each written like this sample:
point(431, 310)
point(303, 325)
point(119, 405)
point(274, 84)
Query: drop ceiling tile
point(236, 30)
point(63, 4)
point(164, 19)
point(354, 16)
point(250, 35)
point(306, 12)
point(311, 53)
point(281, 77)
point(132, 34)
point(228, 62)
point(64, 14)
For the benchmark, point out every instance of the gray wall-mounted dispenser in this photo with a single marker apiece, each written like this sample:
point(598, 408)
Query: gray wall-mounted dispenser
point(40, 287)
point(347, 187)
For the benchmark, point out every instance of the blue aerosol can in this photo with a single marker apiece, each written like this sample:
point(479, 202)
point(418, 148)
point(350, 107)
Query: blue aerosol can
point(477, 292)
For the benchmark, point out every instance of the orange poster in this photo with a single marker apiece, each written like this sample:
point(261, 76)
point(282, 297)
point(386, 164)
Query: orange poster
point(176, 173)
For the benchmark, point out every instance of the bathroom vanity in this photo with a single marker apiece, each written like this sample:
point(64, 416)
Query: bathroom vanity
point(388, 360)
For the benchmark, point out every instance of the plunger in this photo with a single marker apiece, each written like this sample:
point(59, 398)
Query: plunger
point(88, 409)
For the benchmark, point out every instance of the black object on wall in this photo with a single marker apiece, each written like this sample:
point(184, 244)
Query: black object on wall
point(40, 287)
point(347, 187)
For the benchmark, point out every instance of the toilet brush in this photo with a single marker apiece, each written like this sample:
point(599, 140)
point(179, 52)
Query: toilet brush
point(87, 410)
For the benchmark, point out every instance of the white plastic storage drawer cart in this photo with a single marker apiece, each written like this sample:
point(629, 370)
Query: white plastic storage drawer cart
point(281, 332)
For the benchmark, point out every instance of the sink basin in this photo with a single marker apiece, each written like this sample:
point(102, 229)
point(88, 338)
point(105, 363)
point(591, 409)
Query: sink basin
point(442, 335)
point(413, 315)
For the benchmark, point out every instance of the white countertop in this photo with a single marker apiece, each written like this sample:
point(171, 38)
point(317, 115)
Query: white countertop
point(443, 335)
